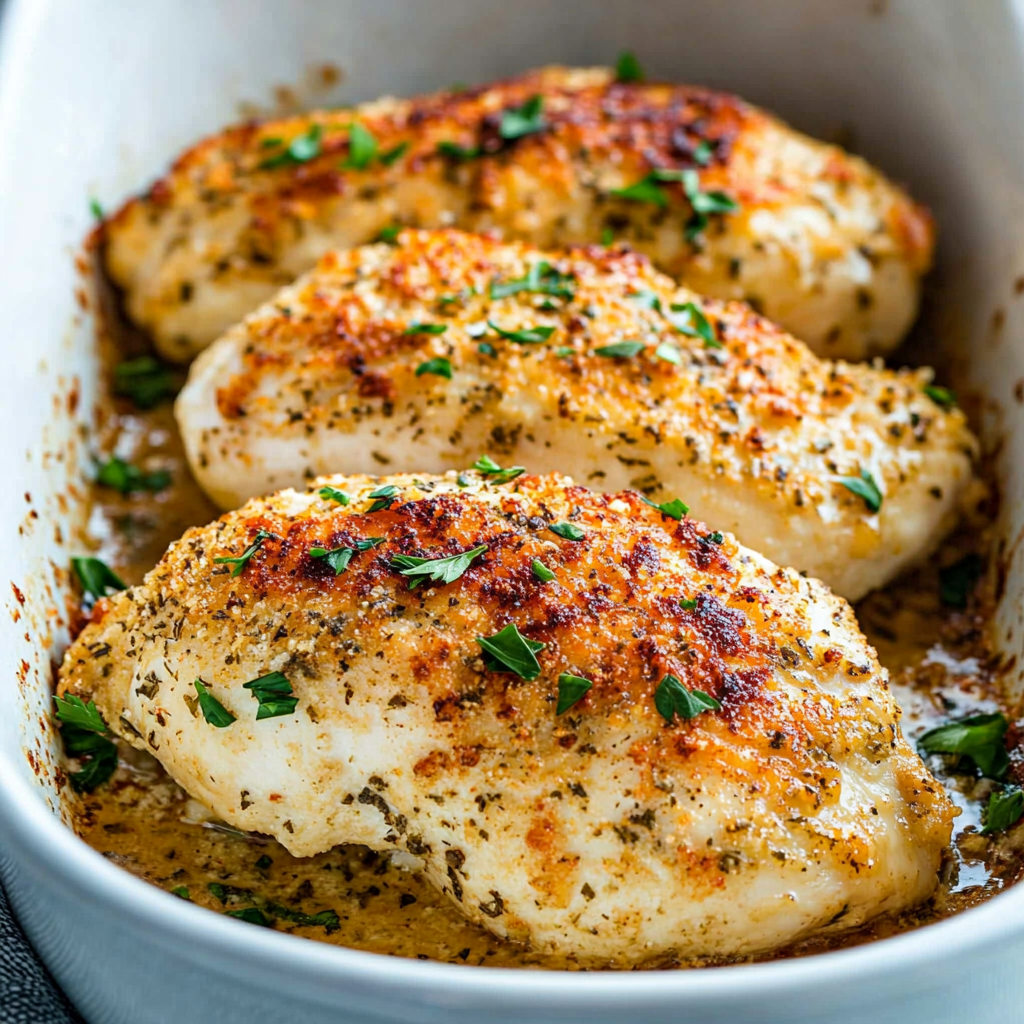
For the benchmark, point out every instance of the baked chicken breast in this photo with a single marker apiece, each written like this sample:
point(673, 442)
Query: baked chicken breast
point(600, 729)
point(445, 346)
point(719, 194)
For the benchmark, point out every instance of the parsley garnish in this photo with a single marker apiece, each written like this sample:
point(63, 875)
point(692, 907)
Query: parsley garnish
point(336, 558)
point(568, 531)
point(702, 153)
point(525, 120)
point(526, 335)
point(461, 296)
point(668, 352)
point(457, 152)
point(417, 328)
point(715, 538)
point(388, 158)
point(541, 571)
point(251, 915)
point(694, 323)
point(672, 698)
point(124, 477)
point(333, 494)
point(326, 919)
point(485, 348)
point(703, 203)
point(980, 738)
point(264, 862)
point(301, 149)
point(440, 367)
point(646, 190)
point(627, 68)
point(389, 234)
point(95, 209)
point(384, 497)
point(942, 397)
point(240, 561)
point(181, 891)
point(564, 351)
point(274, 693)
point(957, 581)
point(620, 350)
point(674, 509)
point(489, 468)
point(864, 486)
point(362, 147)
point(145, 380)
point(646, 299)
point(72, 710)
point(541, 279)
point(1004, 809)
point(607, 237)
point(570, 689)
point(688, 604)
point(441, 570)
point(96, 577)
point(213, 711)
point(510, 651)
point(84, 735)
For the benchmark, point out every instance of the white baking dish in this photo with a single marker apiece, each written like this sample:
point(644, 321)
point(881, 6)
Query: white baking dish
point(95, 98)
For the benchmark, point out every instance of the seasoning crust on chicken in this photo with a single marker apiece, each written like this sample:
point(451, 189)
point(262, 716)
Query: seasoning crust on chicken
point(787, 804)
point(819, 241)
point(393, 356)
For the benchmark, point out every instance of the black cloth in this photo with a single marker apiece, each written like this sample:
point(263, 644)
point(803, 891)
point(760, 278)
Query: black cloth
point(28, 995)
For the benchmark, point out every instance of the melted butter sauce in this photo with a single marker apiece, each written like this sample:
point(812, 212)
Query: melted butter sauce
point(145, 823)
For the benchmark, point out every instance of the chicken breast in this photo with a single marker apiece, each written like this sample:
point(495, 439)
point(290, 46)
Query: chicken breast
point(729, 774)
point(717, 193)
point(622, 380)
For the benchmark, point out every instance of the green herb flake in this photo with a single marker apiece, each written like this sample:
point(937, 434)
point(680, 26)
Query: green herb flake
point(264, 862)
point(541, 571)
point(510, 651)
point(241, 561)
point(525, 335)
point(181, 892)
point(672, 698)
point(251, 915)
point(688, 604)
point(486, 466)
point(383, 497)
point(620, 350)
point(389, 157)
point(96, 209)
point(300, 150)
point(689, 319)
point(646, 190)
point(454, 151)
point(485, 348)
point(72, 710)
point(957, 581)
point(607, 237)
point(125, 478)
point(942, 397)
point(275, 695)
point(326, 919)
point(541, 279)
point(674, 509)
point(145, 380)
point(84, 735)
point(389, 234)
point(567, 531)
point(441, 570)
point(668, 352)
point(96, 577)
point(362, 147)
point(525, 120)
point(570, 690)
point(865, 487)
point(417, 328)
point(980, 738)
point(703, 152)
point(333, 494)
point(213, 711)
point(1004, 809)
point(439, 367)
point(627, 68)
point(645, 299)
point(703, 203)
point(336, 558)
point(714, 538)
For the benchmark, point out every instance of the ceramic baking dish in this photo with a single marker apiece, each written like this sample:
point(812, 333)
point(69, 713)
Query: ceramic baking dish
point(95, 98)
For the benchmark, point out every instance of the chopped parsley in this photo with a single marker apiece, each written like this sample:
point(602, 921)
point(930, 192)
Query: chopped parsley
point(274, 693)
point(564, 351)
point(333, 494)
point(145, 380)
point(251, 915)
point(567, 531)
point(461, 296)
point(525, 335)
point(672, 698)
point(864, 486)
point(95, 209)
point(383, 497)
point(1004, 809)
point(541, 279)
point(702, 153)
point(541, 571)
point(96, 577)
point(362, 147)
point(607, 237)
point(440, 570)
point(213, 711)
point(72, 710)
point(84, 735)
point(627, 68)
point(326, 919)
point(570, 690)
point(439, 367)
point(957, 581)
point(264, 862)
point(942, 397)
point(646, 190)
point(525, 120)
point(510, 651)
point(417, 328)
point(125, 478)
point(646, 299)
point(714, 538)
point(688, 604)
point(703, 203)
point(981, 738)
point(389, 157)
point(486, 466)
point(485, 348)
point(674, 509)
point(389, 234)
point(456, 152)
point(241, 561)
point(669, 353)
point(689, 319)
point(300, 150)
point(181, 891)
point(336, 558)
point(620, 350)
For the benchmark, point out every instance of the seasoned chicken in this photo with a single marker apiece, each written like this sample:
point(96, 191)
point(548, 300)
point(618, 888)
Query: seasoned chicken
point(717, 193)
point(621, 380)
point(602, 730)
